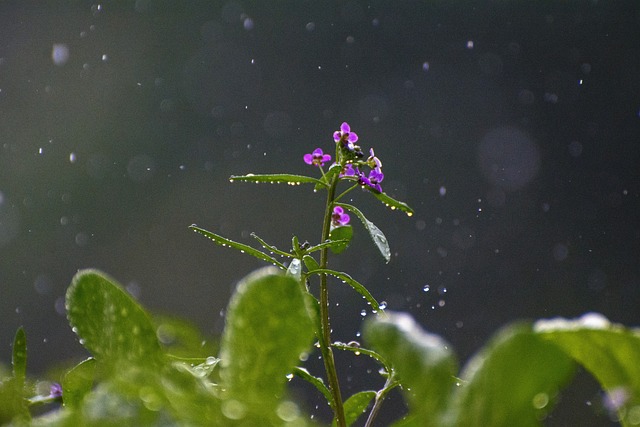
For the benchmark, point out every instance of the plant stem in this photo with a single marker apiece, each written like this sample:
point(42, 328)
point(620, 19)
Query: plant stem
point(380, 395)
point(325, 339)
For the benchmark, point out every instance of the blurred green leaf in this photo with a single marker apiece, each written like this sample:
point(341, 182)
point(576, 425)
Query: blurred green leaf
point(341, 236)
point(267, 329)
point(19, 357)
point(610, 352)
point(182, 338)
point(376, 234)
point(360, 288)
point(512, 381)
point(392, 203)
point(280, 178)
point(423, 363)
point(78, 382)
point(239, 246)
point(109, 322)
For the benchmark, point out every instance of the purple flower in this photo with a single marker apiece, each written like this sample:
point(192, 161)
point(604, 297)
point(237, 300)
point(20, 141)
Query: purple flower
point(345, 136)
point(349, 170)
point(373, 161)
point(373, 180)
point(338, 217)
point(316, 158)
point(55, 391)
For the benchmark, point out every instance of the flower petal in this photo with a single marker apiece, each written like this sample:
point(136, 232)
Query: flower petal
point(308, 159)
point(353, 137)
point(345, 128)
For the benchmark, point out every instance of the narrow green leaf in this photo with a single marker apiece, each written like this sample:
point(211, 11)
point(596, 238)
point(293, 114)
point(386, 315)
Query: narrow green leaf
point(355, 406)
point(376, 234)
point(239, 246)
point(19, 357)
point(109, 322)
point(310, 262)
point(610, 352)
point(269, 247)
point(393, 203)
point(78, 382)
point(423, 363)
point(278, 178)
point(327, 244)
point(341, 236)
point(512, 381)
point(351, 282)
point(316, 382)
point(360, 350)
point(267, 329)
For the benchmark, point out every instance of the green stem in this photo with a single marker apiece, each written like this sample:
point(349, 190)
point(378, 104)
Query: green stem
point(325, 339)
point(380, 395)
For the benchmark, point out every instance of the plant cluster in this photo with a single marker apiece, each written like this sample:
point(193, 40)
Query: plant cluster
point(145, 370)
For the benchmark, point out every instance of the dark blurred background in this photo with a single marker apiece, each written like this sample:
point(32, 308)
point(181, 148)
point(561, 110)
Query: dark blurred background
point(512, 128)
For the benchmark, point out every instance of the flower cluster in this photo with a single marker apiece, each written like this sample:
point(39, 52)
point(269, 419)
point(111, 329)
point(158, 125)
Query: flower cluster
point(350, 158)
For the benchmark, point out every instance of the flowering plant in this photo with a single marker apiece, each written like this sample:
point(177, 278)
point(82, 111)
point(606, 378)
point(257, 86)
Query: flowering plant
point(146, 370)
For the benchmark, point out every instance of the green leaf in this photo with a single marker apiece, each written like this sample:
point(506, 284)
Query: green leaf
point(512, 381)
point(327, 244)
point(376, 234)
point(610, 352)
point(239, 246)
point(278, 178)
point(267, 329)
point(423, 363)
point(78, 382)
point(361, 350)
point(341, 236)
point(351, 282)
point(19, 357)
point(269, 247)
point(317, 382)
point(355, 406)
point(393, 203)
point(109, 322)
point(310, 262)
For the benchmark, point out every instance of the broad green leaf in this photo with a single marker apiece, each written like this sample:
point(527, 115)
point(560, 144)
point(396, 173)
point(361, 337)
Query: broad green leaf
point(239, 246)
point(610, 352)
point(317, 382)
point(267, 329)
point(376, 234)
point(109, 322)
point(278, 178)
point(512, 381)
point(13, 405)
point(393, 203)
point(341, 236)
point(183, 339)
point(78, 382)
point(423, 362)
point(19, 357)
point(356, 405)
point(310, 262)
point(351, 282)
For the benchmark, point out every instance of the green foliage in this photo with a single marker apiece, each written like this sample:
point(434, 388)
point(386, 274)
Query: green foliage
point(267, 330)
point(146, 370)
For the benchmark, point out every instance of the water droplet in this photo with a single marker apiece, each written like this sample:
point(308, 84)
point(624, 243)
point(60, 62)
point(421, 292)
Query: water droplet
point(363, 313)
point(383, 305)
point(426, 288)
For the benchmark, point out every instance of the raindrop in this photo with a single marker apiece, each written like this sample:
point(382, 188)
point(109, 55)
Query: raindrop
point(383, 305)
point(72, 157)
point(363, 313)
point(60, 54)
point(426, 288)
